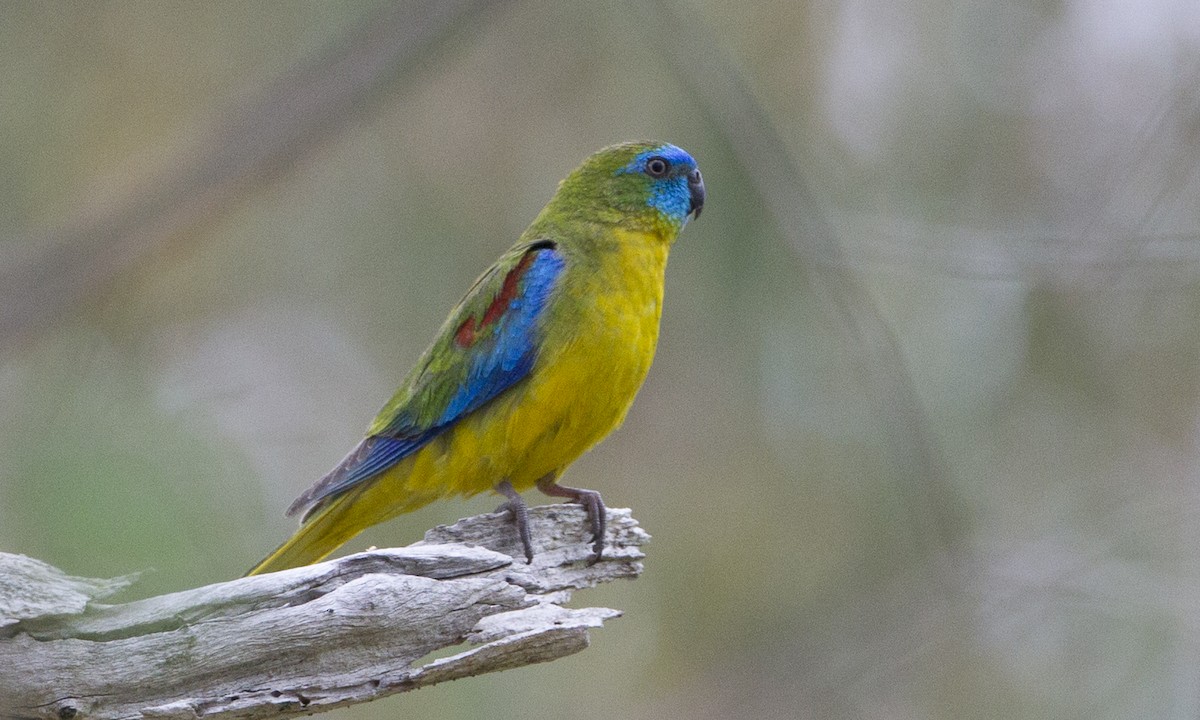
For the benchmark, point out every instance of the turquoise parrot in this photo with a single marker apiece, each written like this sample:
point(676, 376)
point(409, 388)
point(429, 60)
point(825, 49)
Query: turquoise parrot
point(535, 365)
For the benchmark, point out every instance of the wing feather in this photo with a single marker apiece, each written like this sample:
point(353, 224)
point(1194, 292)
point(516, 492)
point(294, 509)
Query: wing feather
point(488, 344)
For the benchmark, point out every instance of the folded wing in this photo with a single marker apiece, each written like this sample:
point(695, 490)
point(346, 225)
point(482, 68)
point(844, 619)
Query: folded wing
point(488, 344)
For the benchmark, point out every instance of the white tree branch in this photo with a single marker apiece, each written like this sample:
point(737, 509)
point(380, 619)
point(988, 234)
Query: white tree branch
point(309, 639)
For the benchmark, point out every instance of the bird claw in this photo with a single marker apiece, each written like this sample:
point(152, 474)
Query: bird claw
point(520, 513)
point(592, 504)
point(597, 517)
point(591, 501)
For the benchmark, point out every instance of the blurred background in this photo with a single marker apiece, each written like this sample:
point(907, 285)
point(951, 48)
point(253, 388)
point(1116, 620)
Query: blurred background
point(921, 437)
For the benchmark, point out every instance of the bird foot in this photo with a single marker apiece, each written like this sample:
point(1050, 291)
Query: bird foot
point(520, 513)
point(592, 504)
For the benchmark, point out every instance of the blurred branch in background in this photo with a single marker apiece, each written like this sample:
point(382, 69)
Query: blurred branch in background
point(1119, 219)
point(1075, 255)
point(246, 144)
point(987, 254)
point(946, 305)
point(693, 52)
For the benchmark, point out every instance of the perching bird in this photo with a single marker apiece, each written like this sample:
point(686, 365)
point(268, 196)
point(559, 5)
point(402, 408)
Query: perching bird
point(536, 364)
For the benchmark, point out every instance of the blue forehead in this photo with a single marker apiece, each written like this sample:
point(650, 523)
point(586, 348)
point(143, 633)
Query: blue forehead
point(674, 155)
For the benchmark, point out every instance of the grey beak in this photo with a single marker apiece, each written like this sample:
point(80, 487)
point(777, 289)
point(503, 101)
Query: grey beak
point(696, 188)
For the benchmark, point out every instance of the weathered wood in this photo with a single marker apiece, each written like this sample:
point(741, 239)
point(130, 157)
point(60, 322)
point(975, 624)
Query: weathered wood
point(309, 639)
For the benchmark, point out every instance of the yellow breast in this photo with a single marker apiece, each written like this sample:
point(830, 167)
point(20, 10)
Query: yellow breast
point(592, 363)
point(582, 389)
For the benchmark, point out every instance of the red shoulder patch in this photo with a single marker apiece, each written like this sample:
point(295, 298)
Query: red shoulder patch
point(468, 332)
point(465, 335)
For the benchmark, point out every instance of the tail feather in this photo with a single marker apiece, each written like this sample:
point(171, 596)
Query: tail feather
point(319, 535)
point(335, 521)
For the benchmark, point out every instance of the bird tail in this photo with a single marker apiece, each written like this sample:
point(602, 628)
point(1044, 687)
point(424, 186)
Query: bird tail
point(322, 532)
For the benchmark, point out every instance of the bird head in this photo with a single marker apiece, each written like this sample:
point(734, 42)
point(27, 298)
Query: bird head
point(642, 185)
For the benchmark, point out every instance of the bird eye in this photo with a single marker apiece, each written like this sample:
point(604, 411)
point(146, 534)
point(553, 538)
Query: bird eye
point(657, 167)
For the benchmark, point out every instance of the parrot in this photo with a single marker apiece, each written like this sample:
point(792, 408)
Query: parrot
point(539, 361)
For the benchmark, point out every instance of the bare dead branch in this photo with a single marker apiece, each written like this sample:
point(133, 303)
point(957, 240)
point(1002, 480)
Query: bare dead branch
point(310, 639)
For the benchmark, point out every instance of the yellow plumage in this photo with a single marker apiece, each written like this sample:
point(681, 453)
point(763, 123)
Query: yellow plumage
point(592, 356)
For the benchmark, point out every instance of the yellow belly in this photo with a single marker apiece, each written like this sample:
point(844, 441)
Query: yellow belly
point(592, 362)
point(579, 390)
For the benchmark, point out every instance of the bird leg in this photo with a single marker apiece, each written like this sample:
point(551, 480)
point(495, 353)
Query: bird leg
point(591, 502)
point(520, 513)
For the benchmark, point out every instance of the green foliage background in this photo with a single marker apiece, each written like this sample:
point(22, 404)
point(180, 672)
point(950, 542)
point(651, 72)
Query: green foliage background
point(993, 516)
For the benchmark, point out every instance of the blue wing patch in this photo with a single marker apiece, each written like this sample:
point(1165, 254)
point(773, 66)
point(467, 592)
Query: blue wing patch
point(500, 349)
point(369, 458)
point(514, 347)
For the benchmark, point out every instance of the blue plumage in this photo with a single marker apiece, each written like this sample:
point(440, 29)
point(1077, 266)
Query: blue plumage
point(500, 346)
point(376, 454)
point(508, 359)
point(671, 194)
point(671, 197)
